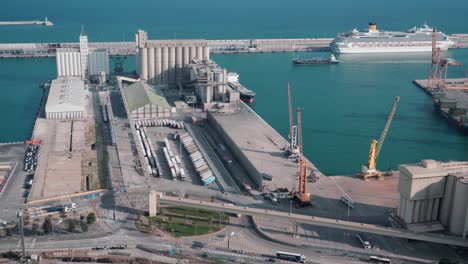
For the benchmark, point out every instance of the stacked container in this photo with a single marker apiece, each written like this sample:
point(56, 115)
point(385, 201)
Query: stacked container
point(198, 161)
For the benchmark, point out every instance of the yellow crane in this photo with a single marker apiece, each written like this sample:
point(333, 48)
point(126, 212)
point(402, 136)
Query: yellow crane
point(371, 169)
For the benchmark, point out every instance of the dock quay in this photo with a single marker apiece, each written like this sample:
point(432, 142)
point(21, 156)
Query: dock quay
point(452, 104)
point(258, 147)
point(26, 50)
point(30, 22)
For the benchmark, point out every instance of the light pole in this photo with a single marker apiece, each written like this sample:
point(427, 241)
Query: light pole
point(23, 250)
point(229, 239)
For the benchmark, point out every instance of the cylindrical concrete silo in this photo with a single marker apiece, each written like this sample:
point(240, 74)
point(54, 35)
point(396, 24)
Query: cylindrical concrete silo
point(157, 66)
point(68, 59)
point(185, 62)
point(165, 65)
point(460, 197)
point(58, 64)
point(74, 69)
point(218, 87)
point(137, 60)
point(192, 54)
point(178, 65)
point(171, 65)
point(144, 63)
point(151, 65)
point(199, 53)
point(185, 56)
point(206, 52)
point(78, 63)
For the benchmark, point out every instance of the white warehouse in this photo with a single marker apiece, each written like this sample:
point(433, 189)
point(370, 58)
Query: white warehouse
point(66, 99)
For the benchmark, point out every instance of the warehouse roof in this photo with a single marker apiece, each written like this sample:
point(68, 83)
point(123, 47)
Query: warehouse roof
point(66, 94)
point(140, 94)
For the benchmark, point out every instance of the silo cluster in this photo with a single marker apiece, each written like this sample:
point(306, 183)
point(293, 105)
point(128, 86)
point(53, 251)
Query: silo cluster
point(210, 80)
point(166, 61)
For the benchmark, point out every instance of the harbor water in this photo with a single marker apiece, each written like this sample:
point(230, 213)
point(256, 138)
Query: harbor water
point(344, 106)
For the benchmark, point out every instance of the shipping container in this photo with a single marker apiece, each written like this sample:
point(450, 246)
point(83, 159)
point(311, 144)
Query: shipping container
point(173, 174)
point(208, 181)
point(182, 174)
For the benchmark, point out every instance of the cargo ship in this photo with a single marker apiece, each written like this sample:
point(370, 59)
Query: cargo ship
point(246, 95)
point(331, 60)
point(416, 39)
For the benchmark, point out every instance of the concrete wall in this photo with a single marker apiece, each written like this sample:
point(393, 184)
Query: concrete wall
point(64, 115)
point(253, 173)
point(150, 111)
point(457, 219)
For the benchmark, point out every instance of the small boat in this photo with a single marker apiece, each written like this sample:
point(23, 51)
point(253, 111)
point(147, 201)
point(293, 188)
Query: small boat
point(331, 60)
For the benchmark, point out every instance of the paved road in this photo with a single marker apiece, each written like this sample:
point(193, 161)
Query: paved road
point(11, 198)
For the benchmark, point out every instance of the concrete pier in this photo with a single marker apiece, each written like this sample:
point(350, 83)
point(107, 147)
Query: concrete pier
point(30, 22)
point(460, 121)
point(257, 146)
point(215, 46)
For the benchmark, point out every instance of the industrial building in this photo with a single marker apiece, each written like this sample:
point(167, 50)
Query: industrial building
point(166, 61)
point(434, 196)
point(145, 101)
point(211, 87)
point(72, 62)
point(66, 100)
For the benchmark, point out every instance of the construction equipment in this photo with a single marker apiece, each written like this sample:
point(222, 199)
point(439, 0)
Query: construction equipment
point(302, 196)
point(437, 79)
point(371, 169)
point(292, 151)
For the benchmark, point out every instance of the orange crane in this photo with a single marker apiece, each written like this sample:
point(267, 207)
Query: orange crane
point(302, 196)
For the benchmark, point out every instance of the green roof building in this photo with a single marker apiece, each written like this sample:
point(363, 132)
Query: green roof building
point(146, 101)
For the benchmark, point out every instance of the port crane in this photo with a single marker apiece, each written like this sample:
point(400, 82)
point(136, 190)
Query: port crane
point(371, 169)
point(302, 196)
point(439, 67)
point(292, 150)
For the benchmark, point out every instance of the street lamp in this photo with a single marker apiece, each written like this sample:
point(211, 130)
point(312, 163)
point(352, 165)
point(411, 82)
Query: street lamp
point(229, 239)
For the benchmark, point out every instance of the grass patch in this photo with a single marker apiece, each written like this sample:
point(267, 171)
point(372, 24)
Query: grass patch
point(184, 221)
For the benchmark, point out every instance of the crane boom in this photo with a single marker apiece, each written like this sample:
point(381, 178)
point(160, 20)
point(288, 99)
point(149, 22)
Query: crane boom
point(303, 196)
point(291, 120)
point(387, 126)
point(371, 169)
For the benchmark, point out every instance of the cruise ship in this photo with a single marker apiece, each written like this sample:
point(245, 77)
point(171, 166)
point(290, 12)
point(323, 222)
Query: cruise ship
point(417, 39)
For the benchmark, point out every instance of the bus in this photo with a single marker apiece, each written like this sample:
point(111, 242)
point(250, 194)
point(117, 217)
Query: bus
point(375, 259)
point(294, 257)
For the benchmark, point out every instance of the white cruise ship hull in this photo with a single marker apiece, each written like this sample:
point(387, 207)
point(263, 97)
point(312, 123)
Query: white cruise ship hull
point(399, 49)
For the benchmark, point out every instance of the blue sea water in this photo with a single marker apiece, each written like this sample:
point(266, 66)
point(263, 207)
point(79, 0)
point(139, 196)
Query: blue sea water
point(344, 106)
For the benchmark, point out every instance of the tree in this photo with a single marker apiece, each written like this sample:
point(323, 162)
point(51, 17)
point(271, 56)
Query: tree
point(9, 231)
point(84, 226)
point(47, 226)
point(91, 218)
point(185, 217)
point(34, 229)
point(71, 226)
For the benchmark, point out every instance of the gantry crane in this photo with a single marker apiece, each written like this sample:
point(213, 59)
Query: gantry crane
point(371, 169)
point(292, 150)
point(439, 66)
point(302, 196)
